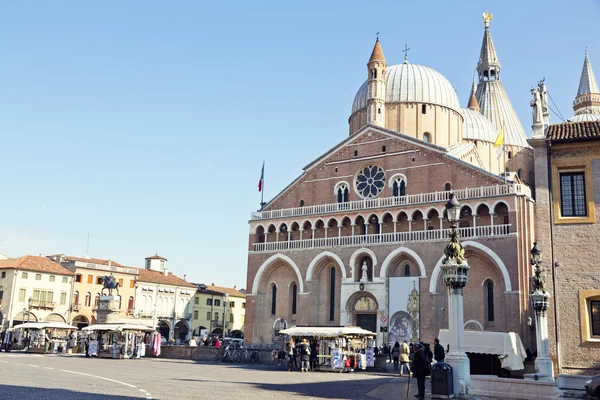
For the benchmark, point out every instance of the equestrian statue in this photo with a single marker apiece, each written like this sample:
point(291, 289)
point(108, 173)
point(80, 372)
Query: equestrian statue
point(110, 283)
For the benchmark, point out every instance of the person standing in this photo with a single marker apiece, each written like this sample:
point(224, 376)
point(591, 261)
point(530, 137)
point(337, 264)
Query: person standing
point(314, 350)
point(305, 356)
point(420, 369)
point(404, 358)
point(396, 355)
point(290, 354)
point(438, 351)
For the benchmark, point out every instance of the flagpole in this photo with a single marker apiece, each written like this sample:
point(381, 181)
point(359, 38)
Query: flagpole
point(504, 154)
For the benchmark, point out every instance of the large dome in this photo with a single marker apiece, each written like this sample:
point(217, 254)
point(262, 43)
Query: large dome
point(412, 83)
point(477, 127)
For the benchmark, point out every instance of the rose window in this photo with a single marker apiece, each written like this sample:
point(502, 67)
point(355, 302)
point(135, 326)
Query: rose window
point(370, 181)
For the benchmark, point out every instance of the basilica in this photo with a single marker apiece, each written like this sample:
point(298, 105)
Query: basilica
point(358, 237)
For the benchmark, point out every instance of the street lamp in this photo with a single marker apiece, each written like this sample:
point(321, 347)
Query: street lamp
point(225, 303)
point(455, 274)
point(540, 300)
point(28, 309)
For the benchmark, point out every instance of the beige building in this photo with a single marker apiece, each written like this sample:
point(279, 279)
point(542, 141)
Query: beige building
point(34, 289)
point(87, 286)
point(567, 194)
point(211, 312)
point(163, 300)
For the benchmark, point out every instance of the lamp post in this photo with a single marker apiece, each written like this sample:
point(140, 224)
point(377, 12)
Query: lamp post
point(225, 304)
point(540, 300)
point(454, 272)
point(28, 308)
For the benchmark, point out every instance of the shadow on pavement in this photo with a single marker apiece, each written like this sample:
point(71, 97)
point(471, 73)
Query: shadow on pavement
point(347, 389)
point(36, 393)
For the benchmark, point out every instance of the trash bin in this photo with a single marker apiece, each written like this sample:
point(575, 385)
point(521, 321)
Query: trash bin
point(442, 380)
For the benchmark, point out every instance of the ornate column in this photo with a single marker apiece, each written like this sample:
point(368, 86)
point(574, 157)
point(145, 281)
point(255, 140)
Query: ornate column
point(539, 301)
point(454, 271)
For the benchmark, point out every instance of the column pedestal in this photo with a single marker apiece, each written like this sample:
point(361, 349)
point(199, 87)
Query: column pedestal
point(543, 363)
point(456, 357)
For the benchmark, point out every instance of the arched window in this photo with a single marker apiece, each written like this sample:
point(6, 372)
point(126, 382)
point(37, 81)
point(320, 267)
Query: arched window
point(119, 297)
point(489, 291)
point(374, 73)
point(273, 299)
point(448, 187)
point(301, 203)
point(76, 298)
point(355, 153)
point(332, 294)
point(88, 299)
point(96, 299)
point(427, 137)
point(130, 305)
point(423, 109)
point(520, 173)
point(342, 194)
point(294, 297)
point(383, 149)
point(509, 155)
point(407, 270)
point(379, 111)
point(399, 188)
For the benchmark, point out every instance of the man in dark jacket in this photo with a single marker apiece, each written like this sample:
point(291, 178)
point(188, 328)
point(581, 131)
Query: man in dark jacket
point(438, 351)
point(420, 369)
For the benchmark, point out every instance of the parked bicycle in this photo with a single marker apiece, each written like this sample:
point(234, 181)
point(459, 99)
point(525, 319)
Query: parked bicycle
point(244, 355)
point(228, 355)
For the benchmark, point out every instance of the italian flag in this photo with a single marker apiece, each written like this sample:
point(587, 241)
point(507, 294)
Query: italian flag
point(262, 178)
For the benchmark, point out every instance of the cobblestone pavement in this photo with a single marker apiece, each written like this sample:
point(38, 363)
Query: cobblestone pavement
point(29, 376)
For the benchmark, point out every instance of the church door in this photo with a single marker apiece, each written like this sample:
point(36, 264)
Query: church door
point(367, 321)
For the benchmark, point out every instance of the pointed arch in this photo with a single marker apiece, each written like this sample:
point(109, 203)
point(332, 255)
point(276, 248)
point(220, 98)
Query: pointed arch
point(388, 260)
point(257, 227)
point(359, 252)
point(486, 250)
point(269, 262)
point(320, 257)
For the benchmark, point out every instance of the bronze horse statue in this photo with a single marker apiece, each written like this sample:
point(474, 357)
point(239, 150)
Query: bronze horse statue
point(110, 283)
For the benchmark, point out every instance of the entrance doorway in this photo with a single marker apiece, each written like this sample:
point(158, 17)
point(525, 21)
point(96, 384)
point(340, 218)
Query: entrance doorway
point(367, 321)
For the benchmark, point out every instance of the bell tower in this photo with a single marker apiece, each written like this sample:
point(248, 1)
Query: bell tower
point(376, 86)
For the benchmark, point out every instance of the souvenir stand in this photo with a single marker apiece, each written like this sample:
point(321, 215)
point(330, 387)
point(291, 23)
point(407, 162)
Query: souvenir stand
point(32, 336)
point(116, 340)
point(340, 349)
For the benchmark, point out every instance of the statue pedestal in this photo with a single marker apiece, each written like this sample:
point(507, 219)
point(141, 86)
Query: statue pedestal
point(108, 310)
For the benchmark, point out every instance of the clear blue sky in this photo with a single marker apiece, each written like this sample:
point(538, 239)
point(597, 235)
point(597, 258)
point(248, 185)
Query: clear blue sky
point(146, 123)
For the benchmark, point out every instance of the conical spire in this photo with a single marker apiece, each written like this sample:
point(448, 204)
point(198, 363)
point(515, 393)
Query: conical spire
point(488, 65)
point(473, 104)
point(377, 54)
point(587, 82)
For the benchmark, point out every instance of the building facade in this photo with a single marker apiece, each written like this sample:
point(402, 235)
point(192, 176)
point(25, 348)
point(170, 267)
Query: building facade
point(567, 194)
point(163, 300)
point(359, 236)
point(34, 289)
point(87, 286)
point(213, 314)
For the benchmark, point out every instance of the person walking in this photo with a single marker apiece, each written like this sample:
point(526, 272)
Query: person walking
point(396, 355)
point(71, 343)
point(305, 356)
point(290, 354)
point(404, 358)
point(421, 367)
point(438, 351)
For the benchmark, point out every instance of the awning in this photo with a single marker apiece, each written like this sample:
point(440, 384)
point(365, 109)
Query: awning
point(326, 332)
point(118, 327)
point(42, 325)
point(506, 345)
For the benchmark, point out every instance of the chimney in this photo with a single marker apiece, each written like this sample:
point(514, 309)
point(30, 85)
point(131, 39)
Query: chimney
point(235, 287)
point(184, 275)
point(109, 263)
point(166, 272)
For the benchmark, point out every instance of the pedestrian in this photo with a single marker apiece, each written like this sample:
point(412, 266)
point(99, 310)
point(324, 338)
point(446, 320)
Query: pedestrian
point(314, 350)
point(71, 342)
point(390, 351)
point(428, 353)
point(396, 355)
point(290, 354)
point(421, 367)
point(385, 350)
point(404, 358)
point(305, 356)
point(438, 351)
point(47, 339)
point(217, 343)
point(193, 342)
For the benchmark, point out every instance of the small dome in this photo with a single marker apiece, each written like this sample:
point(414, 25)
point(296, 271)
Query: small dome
point(412, 83)
point(585, 117)
point(477, 127)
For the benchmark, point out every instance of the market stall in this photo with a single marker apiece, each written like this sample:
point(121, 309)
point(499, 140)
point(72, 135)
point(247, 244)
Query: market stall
point(121, 341)
point(348, 348)
point(43, 337)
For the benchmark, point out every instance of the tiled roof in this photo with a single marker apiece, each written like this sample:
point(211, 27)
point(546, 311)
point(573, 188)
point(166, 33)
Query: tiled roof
point(86, 260)
point(35, 263)
point(147, 275)
point(574, 131)
point(230, 291)
point(377, 54)
point(156, 257)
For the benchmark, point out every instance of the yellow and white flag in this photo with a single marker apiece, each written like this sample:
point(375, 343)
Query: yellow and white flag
point(499, 143)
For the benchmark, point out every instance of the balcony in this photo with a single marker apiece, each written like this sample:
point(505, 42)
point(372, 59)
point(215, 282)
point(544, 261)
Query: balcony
point(75, 307)
point(386, 238)
point(131, 311)
point(413, 199)
point(43, 304)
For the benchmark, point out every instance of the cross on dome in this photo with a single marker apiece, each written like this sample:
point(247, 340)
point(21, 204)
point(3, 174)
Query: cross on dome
point(405, 51)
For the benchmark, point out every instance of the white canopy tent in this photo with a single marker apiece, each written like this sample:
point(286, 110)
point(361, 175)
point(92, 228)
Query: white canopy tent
point(42, 325)
point(506, 345)
point(118, 327)
point(326, 332)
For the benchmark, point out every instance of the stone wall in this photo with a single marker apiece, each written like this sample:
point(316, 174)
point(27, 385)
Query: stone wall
point(204, 353)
